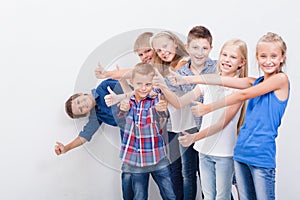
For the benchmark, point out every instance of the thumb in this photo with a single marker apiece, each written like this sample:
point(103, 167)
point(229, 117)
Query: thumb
point(100, 66)
point(161, 97)
point(184, 133)
point(117, 67)
point(110, 90)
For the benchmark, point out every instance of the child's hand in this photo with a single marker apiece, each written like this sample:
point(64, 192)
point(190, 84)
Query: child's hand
point(153, 94)
point(199, 109)
point(111, 98)
point(187, 139)
point(158, 80)
point(124, 105)
point(100, 72)
point(176, 79)
point(162, 104)
point(59, 148)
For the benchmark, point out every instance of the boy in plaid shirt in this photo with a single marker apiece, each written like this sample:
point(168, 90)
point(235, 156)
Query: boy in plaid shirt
point(143, 149)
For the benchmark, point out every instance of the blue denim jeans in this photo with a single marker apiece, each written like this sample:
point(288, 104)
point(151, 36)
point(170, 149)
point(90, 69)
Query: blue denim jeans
point(216, 176)
point(190, 168)
point(255, 183)
point(127, 190)
point(175, 166)
point(140, 180)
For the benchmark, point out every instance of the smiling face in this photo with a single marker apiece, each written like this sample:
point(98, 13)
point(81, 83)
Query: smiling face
point(145, 54)
point(269, 57)
point(199, 50)
point(230, 60)
point(165, 48)
point(142, 85)
point(83, 104)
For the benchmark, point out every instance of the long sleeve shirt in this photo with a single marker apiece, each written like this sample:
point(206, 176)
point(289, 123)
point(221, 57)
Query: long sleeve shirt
point(143, 143)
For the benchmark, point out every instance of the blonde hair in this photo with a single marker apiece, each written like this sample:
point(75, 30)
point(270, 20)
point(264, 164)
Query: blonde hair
point(180, 52)
point(142, 41)
point(242, 48)
point(276, 39)
point(241, 72)
point(143, 69)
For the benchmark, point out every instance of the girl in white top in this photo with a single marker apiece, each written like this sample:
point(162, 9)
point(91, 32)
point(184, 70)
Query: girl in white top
point(216, 139)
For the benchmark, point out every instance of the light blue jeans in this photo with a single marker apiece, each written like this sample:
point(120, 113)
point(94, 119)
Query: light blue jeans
point(216, 176)
point(255, 182)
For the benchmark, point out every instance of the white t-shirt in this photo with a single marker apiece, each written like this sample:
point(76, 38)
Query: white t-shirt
point(222, 142)
point(181, 119)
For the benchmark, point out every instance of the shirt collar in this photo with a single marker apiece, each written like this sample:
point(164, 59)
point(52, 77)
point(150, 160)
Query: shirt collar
point(208, 63)
point(148, 97)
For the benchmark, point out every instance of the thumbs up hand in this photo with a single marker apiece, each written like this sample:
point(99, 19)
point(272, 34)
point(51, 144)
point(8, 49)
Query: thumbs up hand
point(158, 80)
point(100, 72)
point(111, 98)
point(124, 105)
point(200, 109)
point(162, 104)
point(187, 139)
point(176, 79)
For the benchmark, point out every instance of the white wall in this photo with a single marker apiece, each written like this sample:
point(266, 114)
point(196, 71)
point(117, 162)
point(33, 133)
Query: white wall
point(44, 46)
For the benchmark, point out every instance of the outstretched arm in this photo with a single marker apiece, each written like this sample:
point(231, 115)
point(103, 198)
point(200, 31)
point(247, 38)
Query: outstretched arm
point(188, 139)
point(172, 98)
point(125, 86)
point(59, 148)
point(211, 79)
point(214, 79)
point(179, 102)
point(277, 83)
point(116, 74)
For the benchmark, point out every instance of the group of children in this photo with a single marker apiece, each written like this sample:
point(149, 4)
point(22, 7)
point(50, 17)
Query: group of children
point(163, 133)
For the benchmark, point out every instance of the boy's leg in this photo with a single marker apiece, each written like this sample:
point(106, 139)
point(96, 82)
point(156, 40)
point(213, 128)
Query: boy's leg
point(244, 181)
point(190, 167)
point(140, 184)
point(127, 186)
point(175, 166)
point(162, 178)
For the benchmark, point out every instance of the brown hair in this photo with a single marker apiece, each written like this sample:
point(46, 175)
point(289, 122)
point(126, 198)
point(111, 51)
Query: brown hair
point(68, 106)
point(199, 32)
